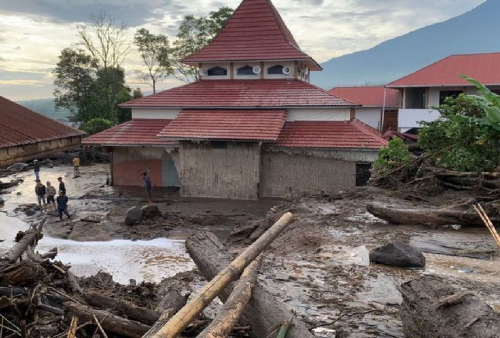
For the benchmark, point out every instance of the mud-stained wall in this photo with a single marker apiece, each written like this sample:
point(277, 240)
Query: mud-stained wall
point(226, 170)
point(25, 153)
point(291, 174)
point(130, 162)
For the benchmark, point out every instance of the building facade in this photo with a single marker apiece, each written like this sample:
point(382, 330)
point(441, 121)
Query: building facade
point(252, 126)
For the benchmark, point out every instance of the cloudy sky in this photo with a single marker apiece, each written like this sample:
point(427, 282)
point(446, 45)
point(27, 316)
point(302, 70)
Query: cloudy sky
point(33, 32)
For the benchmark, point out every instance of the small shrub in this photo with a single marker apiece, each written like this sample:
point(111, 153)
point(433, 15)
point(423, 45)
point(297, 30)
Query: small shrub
point(393, 156)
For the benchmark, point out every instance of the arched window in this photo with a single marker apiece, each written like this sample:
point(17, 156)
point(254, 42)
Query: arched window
point(275, 70)
point(247, 70)
point(217, 71)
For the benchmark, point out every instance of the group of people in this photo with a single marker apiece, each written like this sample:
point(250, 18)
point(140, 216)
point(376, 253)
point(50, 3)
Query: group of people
point(47, 194)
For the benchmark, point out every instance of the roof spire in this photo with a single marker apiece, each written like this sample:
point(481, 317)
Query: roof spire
point(255, 32)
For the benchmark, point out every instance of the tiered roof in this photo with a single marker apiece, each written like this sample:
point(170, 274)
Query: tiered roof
point(255, 32)
point(369, 96)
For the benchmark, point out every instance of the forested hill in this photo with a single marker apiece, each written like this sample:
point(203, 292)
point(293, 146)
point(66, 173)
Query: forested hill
point(46, 107)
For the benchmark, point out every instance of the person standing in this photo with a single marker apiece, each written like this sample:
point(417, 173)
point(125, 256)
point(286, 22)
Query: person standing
point(51, 196)
point(62, 205)
point(37, 170)
point(40, 193)
point(76, 166)
point(148, 186)
point(62, 186)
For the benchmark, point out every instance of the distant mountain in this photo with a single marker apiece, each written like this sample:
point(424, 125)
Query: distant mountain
point(476, 31)
point(46, 107)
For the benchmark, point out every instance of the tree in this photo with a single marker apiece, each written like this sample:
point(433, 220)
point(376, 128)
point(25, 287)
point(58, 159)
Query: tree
point(97, 125)
point(194, 34)
point(154, 51)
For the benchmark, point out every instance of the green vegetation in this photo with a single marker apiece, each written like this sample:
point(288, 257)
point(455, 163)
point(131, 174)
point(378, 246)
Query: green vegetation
point(97, 125)
point(392, 157)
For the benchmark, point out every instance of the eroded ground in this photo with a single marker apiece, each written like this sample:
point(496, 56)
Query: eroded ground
point(319, 267)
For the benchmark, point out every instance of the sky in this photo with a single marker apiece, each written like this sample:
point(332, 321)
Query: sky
point(33, 32)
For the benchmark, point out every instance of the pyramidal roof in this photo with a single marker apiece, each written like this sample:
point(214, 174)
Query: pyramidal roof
point(255, 32)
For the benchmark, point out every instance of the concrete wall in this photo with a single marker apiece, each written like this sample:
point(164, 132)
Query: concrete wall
point(25, 153)
point(130, 162)
point(286, 173)
point(371, 116)
point(232, 172)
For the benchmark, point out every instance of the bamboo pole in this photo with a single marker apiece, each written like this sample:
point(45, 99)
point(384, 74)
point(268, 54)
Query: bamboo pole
point(191, 310)
point(479, 209)
point(232, 310)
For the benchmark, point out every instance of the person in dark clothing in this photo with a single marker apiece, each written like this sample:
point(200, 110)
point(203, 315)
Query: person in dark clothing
point(62, 186)
point(40, 191)
point(62, 205)
point(148, 186)
point(37, 170)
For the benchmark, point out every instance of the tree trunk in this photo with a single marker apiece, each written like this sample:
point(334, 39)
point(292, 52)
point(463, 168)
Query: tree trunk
point(140, 314)
point(432, 308)
point(26, 272)
point(232, 310)
point(264, 312)
point(108, 321)
point(29, 238)
point(423, 216)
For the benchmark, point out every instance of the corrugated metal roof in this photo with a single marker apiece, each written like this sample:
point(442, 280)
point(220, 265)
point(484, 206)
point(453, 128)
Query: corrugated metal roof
point(254, 125)
point(330, 134)
point(483, 67)
point(21, 126)
point(241, 94)
point(137, 132)
point(369, 96)
point(256, 31)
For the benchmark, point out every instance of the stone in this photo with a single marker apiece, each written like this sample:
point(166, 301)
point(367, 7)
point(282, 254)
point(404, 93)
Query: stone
point(30, 212)
point(133, 216)
point(17, 166)
point(150, 211)
point(398, 254)
point(2, 202)
point(281, 276)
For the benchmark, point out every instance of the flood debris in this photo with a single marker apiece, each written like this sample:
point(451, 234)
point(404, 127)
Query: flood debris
point(433, 308)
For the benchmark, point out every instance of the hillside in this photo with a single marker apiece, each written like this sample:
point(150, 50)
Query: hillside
point(473, 32)
point(46, 107)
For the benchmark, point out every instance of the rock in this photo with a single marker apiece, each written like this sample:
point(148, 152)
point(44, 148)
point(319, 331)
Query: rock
point(150, 211)
point(133, 216)
point(30, 212)
point(17, 166)
point(281, 276)
point(398, 254)
point(2, 202)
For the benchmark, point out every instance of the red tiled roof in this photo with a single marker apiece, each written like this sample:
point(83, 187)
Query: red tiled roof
point(138, 132)
point(241, 94)
point(256, 31)
point(483, 67)
point(330, 134)
point(368, 96)
point(21, 126)
point(255, 125)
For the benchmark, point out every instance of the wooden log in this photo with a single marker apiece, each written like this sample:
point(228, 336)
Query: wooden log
point(232, 310)
point(140, 314)
point(423, 216)
point(264, 312)
point(171, 300)
point(30, 238)
point(50, 254)
point(433, 308)
point(25, 272)
point(189, 312)
point(108, 321)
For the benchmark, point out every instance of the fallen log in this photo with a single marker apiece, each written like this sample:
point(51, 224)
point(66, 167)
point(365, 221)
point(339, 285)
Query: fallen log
point(140, 314)
point(29, 238)
point(25, 272)
point(108, 321)
point(424, 216)
point(433, 308)
point(230, 273)
point(170, 304)
point(232, 310)
point(264, 312)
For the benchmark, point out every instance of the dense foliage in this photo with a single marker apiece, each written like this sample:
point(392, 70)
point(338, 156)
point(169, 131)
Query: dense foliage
point(393, 156)
point(97, 125)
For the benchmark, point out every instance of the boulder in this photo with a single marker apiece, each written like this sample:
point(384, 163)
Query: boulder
point(133, 216)
point(2, 202)
point(17, 166)
point(30, 212)
point(150, 211)
point(398, 254)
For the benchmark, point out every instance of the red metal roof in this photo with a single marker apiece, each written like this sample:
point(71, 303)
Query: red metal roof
point(330, 134)
point(138, 132)
point(256, 31)
point(241, 94)
point(370, 96)
point(21, 126)
point(254, 125)
point(483, 67)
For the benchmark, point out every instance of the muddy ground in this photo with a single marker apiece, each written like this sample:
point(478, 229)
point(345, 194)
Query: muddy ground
point(319, 267)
